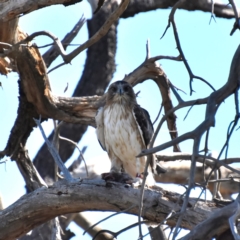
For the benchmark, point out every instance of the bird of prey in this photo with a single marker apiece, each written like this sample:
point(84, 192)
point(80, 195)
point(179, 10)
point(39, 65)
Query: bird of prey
point(124, 129)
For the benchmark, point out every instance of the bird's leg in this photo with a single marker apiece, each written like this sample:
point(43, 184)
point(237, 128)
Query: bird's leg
point(117, 173)
point(116, 165)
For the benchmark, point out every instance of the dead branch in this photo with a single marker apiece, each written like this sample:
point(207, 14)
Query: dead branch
point(55, 155)
point(31, 176)
point(36, 86)
point(98, 35)
point(50, 55)
point(212, 106)
point(10, 10)
point(44, 204)
point(209, 161)
point(178, 167)
point(37, 89)
point(212, 101)
point(237, 17)
point(171, 21)
point(210, 227)
point(138, 6)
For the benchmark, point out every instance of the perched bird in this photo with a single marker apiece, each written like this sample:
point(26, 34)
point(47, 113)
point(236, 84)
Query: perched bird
point(123, 130)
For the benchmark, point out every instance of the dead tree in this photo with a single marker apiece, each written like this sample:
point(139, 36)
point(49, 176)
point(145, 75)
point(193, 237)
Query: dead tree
point(47, 200)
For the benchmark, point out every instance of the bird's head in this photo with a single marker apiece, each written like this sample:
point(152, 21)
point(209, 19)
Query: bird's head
point(121, 92)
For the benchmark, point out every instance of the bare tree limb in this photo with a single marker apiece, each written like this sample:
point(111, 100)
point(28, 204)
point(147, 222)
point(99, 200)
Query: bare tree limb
point(50, 55)
point(10, 9)
point(237, 17)
point(98, 35)
point(214, 99)
point(44, 204)
point(31, 176)
point(27, 6)
point(55, 154)
point(139, 6)
point(211, 226)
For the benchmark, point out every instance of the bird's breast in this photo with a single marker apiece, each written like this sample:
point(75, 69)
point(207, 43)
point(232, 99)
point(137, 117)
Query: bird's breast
point(122, 135)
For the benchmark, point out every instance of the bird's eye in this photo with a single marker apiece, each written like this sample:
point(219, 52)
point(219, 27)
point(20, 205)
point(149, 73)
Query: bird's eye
point(126, 88)
point(114, 89)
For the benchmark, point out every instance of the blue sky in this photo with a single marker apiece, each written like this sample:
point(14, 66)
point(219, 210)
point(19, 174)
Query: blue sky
point(208, 48)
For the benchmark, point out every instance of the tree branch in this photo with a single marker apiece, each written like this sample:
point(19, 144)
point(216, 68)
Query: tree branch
point(44, 204)
point(212, 101)
point(10, 9)
point(138, 6)
point(50, 55)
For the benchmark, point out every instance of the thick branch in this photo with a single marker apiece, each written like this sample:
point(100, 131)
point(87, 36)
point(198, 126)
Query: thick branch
point(178, 171)
point(44, 204)
point(138, 6)
point(33, 75)
point(211, 226)
point(12, 9)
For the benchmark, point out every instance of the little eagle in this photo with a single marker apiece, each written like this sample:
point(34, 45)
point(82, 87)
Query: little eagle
point(124, 129)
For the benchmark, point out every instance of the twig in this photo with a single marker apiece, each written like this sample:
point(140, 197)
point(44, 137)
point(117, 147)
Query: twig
point(80, 152)
point(98, 35)
point(188, 112)
point(172, 21)
point(234, 122)
point(58, 66)
point(190, 185)
point(3, 161)
point(173, 88)
point(237, 22)
point(205, 153)
point(149, 157)
point(50, 55)
point(55, 143)
point(106, 218)
point(55, 154)
point(230, 179)
point(160, 110)
point(212, 12)
point(148, 55)
point(115, 234)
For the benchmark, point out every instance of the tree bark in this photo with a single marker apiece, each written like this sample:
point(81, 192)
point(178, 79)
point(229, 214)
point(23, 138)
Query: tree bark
point(140, 6)
point(44, 204)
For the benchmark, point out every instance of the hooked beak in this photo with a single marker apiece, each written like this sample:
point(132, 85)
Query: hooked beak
point(120, 90)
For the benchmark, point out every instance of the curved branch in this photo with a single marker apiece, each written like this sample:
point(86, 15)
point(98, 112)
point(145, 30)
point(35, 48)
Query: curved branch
point(96, 37)
point(138, 6)
point(12, 9)
point(44, 204)
point(212, 101)
point(50, 55)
